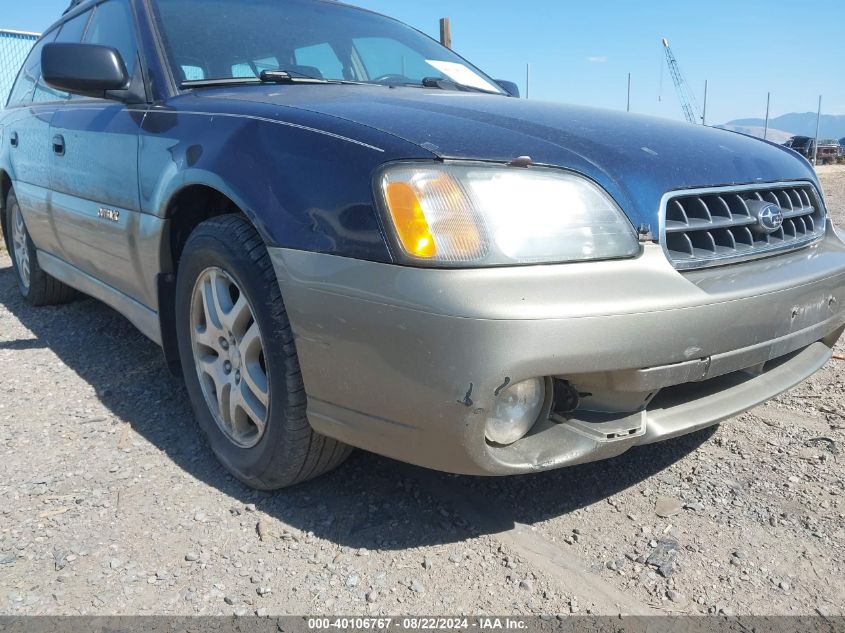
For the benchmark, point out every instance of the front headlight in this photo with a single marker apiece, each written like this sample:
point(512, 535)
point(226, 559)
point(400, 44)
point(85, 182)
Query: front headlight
point(488, 215)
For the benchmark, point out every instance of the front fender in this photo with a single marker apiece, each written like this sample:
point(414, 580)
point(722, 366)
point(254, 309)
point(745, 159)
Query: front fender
point(175, 180)
point(304, 179)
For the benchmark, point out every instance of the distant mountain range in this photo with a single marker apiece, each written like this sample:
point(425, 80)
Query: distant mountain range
point(793, 124)
point(774, 135)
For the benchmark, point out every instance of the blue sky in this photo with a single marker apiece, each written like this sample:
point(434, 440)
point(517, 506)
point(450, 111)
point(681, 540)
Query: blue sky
point(582, 52)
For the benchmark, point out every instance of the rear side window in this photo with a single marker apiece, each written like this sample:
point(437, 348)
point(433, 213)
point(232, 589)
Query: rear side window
point(29, 74)
point(112, 25)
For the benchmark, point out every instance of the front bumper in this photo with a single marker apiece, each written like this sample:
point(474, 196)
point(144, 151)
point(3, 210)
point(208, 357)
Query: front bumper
point(405, 361)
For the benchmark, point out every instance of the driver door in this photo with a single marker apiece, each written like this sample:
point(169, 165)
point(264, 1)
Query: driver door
point(96, 203)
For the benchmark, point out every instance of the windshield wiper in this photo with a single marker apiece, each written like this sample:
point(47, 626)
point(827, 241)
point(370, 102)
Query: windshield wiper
point(447, 84)
point(265, 77)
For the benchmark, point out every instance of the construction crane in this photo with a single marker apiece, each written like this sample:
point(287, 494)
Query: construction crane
point(688, 103)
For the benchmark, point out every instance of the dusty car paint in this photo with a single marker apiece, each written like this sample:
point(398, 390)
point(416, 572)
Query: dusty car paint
point(635, 158)
point(303, 178)
point(407, 361)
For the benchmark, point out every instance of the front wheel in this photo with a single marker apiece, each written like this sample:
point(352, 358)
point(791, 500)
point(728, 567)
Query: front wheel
point(239, 360)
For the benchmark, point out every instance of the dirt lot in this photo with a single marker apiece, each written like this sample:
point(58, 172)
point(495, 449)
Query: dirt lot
point(111, 504)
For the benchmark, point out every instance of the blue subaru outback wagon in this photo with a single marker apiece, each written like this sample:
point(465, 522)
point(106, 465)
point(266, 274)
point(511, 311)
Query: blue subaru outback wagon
point(344, 234)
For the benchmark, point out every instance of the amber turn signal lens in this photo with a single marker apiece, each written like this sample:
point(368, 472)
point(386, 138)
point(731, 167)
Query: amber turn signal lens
point(409, 220)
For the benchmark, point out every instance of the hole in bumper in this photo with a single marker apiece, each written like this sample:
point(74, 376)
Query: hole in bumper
point(673, 411)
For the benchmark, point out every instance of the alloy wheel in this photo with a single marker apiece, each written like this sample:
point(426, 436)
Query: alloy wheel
point(20, 245)
point(229, 357)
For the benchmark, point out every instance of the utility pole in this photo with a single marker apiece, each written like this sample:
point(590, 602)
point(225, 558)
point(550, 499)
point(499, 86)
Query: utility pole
point(527, 78)
point(816, 142)
point(446, 32)
point(629, 93)
point(704, 113)
point(768, 104)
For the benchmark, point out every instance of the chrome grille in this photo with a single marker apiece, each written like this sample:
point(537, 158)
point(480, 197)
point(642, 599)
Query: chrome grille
point(710, 227)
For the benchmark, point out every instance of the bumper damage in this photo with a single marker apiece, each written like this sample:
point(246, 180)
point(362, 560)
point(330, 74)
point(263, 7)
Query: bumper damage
point(407, 362)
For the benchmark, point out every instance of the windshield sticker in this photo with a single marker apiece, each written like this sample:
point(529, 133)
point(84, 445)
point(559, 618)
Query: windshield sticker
point(462, 75)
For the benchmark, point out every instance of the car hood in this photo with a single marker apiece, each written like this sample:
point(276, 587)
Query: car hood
point(637, 159)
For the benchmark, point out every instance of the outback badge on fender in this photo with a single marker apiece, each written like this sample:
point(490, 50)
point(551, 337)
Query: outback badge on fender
point(112, 215)
point(769, 216)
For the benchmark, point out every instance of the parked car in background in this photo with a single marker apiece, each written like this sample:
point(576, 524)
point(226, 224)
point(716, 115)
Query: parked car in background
point(343, 234)
point(829, 151)
point(801, 144)
point(842, 147)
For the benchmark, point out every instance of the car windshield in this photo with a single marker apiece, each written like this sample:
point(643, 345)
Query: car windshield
point(229, 39)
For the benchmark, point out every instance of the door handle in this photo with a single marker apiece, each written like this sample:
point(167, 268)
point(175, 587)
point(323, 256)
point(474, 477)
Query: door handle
point(14, 140)
point(59, 145)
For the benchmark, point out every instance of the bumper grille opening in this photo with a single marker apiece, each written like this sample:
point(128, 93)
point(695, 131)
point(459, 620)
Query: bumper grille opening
point(711, 227)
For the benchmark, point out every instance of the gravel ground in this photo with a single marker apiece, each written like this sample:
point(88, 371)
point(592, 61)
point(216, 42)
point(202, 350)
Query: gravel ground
point(111, 504)
point(833, 182)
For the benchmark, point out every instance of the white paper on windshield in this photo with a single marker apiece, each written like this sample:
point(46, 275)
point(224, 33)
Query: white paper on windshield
point(462, 75)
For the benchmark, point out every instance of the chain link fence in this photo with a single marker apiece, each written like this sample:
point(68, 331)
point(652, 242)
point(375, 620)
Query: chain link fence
point(14, 47)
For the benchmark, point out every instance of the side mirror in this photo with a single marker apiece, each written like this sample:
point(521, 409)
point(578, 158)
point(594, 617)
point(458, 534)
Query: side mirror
point(90, 70)
point(508, 86)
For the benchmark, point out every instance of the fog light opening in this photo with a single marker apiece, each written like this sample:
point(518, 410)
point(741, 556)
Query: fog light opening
point(515, 410)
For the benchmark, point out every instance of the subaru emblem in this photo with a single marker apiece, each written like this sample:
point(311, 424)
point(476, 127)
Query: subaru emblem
point(769, 216)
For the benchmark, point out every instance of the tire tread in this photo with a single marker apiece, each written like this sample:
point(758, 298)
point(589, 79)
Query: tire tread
point(309, 454)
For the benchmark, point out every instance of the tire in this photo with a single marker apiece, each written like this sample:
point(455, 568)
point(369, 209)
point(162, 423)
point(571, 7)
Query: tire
point(224, 262)
point(36, 286)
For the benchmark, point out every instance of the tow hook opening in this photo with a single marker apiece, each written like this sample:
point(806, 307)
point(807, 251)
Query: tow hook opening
point(604, 420)
point(566, 397)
